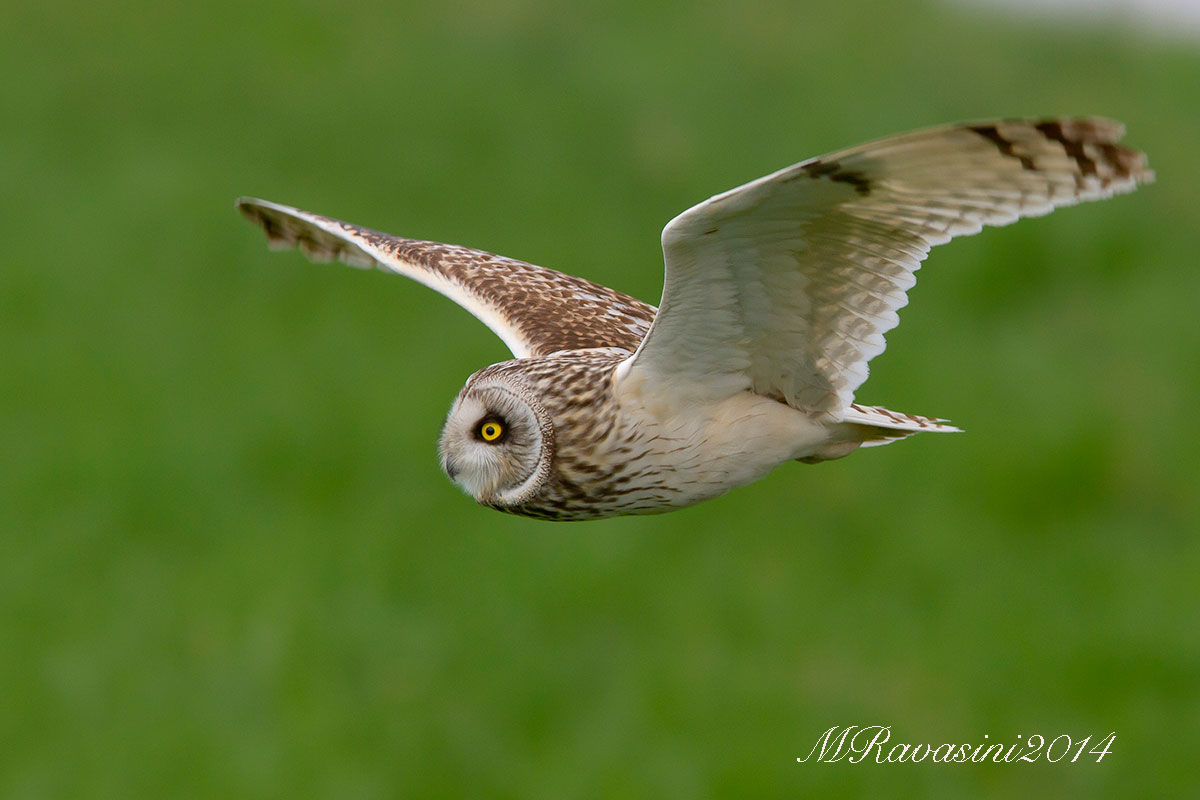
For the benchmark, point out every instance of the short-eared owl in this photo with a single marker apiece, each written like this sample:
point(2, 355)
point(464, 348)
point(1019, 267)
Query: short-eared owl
point(777, 294)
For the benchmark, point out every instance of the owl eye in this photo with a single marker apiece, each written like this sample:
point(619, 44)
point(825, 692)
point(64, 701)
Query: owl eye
point(491, 430)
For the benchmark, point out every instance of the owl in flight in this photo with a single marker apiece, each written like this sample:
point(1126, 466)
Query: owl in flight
point(777, 294)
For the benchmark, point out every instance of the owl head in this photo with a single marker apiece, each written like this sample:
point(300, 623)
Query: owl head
point(498, 442)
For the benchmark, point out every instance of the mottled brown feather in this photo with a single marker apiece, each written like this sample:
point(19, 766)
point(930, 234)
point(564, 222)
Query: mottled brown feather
point(537, 311)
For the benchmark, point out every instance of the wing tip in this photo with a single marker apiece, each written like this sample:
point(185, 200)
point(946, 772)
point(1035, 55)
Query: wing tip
point(266, 215)
point(1094, 142)
point(290, 228)
point(252, 208)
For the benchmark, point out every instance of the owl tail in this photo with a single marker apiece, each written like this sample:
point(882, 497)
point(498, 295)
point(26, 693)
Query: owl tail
point(869, 426)
point(880, 426)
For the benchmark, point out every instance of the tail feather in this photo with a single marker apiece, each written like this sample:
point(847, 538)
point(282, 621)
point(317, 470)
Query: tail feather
point(887, 426)
point(871, 426)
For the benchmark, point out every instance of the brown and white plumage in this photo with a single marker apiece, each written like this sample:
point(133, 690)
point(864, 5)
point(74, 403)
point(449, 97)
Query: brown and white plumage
point(777, 295)
point(534, 310)
point(788, 283)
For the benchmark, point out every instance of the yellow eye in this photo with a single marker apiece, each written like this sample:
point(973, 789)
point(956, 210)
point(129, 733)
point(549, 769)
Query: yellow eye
point(490, 431)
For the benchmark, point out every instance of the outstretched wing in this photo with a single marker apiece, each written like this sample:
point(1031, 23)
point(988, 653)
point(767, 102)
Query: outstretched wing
point(534, 310)
point(786, 285)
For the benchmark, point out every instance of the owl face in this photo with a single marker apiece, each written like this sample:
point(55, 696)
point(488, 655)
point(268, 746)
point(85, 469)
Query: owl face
point(497, 442)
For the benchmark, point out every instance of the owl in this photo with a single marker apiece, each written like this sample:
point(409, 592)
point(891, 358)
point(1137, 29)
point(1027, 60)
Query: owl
point(777, 294)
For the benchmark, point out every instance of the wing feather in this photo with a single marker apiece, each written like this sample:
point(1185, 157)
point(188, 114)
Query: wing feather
point(536, 311)
point(786, 285)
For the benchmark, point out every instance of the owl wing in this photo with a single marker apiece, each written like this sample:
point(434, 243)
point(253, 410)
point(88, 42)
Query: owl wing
point(534, 310)
point(786, 285)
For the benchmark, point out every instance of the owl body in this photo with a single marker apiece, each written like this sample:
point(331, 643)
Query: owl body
point(644, 453)
point(777, 294)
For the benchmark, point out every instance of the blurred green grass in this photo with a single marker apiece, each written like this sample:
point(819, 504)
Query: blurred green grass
point(229, 564)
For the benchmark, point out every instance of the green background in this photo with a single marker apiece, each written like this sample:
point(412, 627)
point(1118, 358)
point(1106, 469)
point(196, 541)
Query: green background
point(230, 565)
